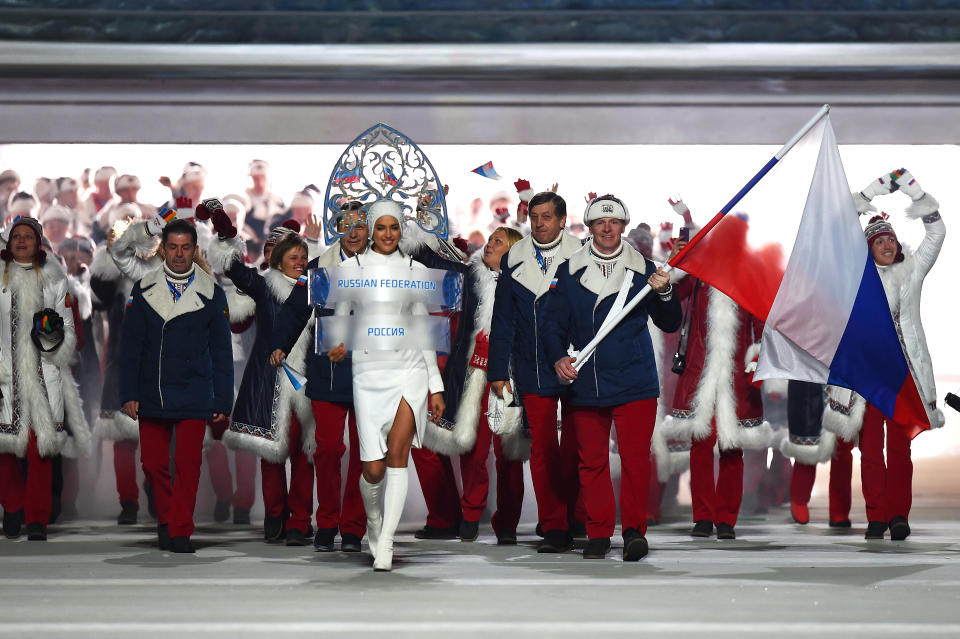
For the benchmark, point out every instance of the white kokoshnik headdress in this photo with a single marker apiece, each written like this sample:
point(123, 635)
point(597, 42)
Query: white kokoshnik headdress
point(383, 164)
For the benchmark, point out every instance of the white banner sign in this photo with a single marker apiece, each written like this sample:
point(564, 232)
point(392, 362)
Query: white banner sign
point(383, 333)
point(437, 289)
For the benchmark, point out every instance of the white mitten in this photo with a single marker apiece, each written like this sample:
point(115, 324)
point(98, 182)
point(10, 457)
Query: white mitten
point(881, 186)
point(156, 224)
point(908, 184)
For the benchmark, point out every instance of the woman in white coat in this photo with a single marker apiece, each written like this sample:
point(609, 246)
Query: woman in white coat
point(390, 391)
point(887, 483)
point(40, 411)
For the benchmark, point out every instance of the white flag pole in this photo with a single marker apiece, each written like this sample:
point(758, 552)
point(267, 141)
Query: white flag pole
point(587, 351)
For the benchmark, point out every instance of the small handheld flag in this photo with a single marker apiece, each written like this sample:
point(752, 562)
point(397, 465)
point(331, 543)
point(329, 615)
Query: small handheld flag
point(297, 379)
point(487, 171)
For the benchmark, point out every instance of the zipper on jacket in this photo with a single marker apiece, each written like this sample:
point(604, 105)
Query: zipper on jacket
point(536, 344)
point(596, 380)
point(160, 364)
point(331, 374)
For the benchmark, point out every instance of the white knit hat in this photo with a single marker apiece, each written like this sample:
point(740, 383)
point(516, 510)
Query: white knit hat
point(259, 167)
point(384, 207)
point(56, 212)
point(127, 181)
point(606, 206)
point(104, 173)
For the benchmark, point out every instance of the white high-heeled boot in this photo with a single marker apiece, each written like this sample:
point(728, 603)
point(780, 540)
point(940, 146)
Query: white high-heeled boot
point(394, 496)
point(371, 503)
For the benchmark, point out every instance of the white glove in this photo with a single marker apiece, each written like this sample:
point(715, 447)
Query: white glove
point(679, 207)
point(909, 185)
point(881, 186)
point(156, 224)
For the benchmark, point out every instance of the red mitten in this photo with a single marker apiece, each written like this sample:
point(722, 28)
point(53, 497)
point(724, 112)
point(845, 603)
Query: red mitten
point(222, 224)
point(526, 193)
point(462, 244)
point(184, 207)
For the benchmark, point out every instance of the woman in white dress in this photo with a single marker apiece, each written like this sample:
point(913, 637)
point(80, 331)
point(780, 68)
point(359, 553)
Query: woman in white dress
point(390, 390)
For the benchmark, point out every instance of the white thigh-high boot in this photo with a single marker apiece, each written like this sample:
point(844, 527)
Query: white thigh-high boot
point(394, 496)
point(371, 494)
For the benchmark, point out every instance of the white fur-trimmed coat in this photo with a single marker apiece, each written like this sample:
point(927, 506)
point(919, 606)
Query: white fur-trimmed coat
point(463, 437)
point(39, 393)
point(903, 283)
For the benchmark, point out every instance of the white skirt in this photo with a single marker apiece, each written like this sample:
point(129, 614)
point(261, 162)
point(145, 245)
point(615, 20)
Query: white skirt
point(377, 392)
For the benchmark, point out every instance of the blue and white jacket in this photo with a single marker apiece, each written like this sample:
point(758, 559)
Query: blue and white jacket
point(177, 356)
point(623, 369)
point(519, 315)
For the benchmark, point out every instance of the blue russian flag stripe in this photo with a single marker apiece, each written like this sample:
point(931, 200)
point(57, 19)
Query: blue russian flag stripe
point(869, 357)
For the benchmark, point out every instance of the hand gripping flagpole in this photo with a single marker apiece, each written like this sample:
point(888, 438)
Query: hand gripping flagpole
point(605, 329)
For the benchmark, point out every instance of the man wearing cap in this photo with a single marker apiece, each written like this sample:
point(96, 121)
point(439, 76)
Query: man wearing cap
point(301, 208)
point(101, 196)
point(176, 374)
point(56, 220)
point(20, 204)
point(263, 203)
point(516, 352)
point(126, 187)
point(619, 382)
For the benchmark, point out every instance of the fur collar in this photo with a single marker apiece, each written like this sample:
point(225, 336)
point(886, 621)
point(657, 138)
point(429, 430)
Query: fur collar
point(593, 279)
point(527, 271)
point(103, 267)
point(486, 287)
point(278, 284)
point(157, 294)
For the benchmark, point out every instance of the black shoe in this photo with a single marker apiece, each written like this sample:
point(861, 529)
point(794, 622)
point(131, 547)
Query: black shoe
point(36, 531)
point(634, 545)
point(843, 523)
point(12, 523)
point(163, 537)
point(726, 531)
point(702, 528)
point(578, 530)
point(899, 528)
point(555, 541)
point(151, 505)
point(323, 541)
point(182, 544)
point(469, 530)
point(432, 532)
point(221, 512)
point(241, 516)
point(875, 530)
point(296, 537)
point(597, 548)
point(538, 530)
point(272, 528)
point(349, 543)
point(506, 537)
point(128, 513)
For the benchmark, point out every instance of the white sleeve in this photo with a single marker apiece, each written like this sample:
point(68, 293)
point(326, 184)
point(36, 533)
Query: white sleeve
point(434, 379)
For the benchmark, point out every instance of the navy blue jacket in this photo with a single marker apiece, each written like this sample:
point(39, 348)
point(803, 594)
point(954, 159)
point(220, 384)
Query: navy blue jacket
point(623, 368)
point(177, 359)
point(518, 319)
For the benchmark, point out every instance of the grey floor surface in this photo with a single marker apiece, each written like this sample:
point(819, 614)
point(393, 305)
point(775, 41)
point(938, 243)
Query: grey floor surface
point(93, 579)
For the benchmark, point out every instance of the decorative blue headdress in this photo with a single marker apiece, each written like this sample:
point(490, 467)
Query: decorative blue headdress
point(384, 164)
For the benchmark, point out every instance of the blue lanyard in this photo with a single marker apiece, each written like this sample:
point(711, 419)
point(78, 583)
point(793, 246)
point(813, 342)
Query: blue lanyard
point(177, 293)
point(540, 259)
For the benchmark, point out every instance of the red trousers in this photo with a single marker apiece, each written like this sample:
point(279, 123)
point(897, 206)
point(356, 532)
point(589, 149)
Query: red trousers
point(554, 464)
point(841, 469)
point(476, 481)
point(175, 500)
point(635, 423)
point(887, 488)
point(717, 501)
point(125, 470)
point(297, 503)
point(33, 493)
point(439, 486)
point(349, 515)
point(246, 471)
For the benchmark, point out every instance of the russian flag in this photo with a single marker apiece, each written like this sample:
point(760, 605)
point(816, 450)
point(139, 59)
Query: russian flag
point(347, 176)
point(827, 318)
point(487, 171)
